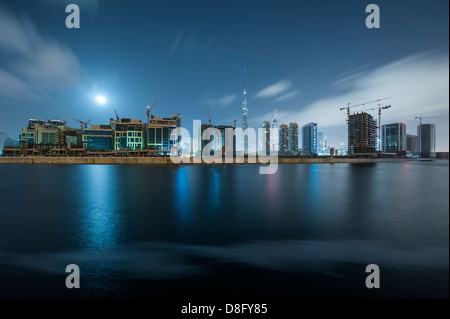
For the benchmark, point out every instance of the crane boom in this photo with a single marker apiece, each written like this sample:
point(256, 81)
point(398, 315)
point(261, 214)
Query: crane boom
point(149, 109)
point(209, 114)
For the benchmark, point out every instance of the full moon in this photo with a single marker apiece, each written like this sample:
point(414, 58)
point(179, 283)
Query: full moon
point(100, 99)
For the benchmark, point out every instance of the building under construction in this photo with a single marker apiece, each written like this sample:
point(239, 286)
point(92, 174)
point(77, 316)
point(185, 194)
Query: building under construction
point(362, 133)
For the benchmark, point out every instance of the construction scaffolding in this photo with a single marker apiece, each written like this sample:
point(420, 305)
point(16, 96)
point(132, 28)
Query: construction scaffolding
point(362, 133)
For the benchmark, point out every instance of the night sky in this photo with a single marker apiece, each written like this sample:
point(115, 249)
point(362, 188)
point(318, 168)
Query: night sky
point(306, 58)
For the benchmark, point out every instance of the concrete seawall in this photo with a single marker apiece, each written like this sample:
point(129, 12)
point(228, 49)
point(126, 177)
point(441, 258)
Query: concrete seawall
point(168, 161)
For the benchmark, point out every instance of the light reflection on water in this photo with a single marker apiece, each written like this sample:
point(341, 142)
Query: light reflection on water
point(100, 217)
point(100, 214)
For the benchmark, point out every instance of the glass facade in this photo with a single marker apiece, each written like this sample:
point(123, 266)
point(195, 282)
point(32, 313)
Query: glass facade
point(393, 137)
point(309, 139)
point(94, 139)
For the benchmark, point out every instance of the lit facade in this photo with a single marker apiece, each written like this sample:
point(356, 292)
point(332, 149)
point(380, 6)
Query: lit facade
point(309, 139)
point(393, 137)
point(98, 137)
point(293, 138)
point(284, 138)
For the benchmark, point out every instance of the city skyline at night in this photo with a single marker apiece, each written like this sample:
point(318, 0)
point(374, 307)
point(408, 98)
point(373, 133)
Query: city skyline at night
point(186, 59)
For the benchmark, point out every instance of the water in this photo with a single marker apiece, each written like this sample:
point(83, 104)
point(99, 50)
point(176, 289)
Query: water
point(225, 231)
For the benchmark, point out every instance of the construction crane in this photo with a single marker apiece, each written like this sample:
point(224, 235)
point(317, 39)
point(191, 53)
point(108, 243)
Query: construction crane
point(149, 109)
point(233, 123)
point(420, 130)
point(64, 121)
point(425, 117)
point(379, 108)
point(117, 115)
point(83, 124)
point(348, 112)
point(361, 104)
point(209, 114)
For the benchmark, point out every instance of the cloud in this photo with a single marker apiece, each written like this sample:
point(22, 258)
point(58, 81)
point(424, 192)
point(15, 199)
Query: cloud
point(33, 64)
point(221, 102)
point(176, 42)
point(90, 5)
point(418, 85)
point(227, 99)
point(287, 96)
point(274, 89)
point(192, 44)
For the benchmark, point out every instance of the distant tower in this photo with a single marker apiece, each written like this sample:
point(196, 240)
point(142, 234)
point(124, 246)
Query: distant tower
point(274, 132)
point(245, 112)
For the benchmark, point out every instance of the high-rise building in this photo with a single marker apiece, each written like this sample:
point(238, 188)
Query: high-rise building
point(129, 134)
point(362, 133)
point(223, 142)
point(160, 132)
point(284, 138)
point(426, 139)
point(42, 132)
point(309, 139)
point(245, 113)
point(2, 141)
point(321, 143)
point(393, 137)
point(217, 138)
point(265, 143)
point(293, 137)
point(411, 143)
point(274, 142)
point(98, 137)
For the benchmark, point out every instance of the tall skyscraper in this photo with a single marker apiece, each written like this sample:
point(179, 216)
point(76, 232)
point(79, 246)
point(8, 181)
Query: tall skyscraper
point(411, 143)
point(362, 133)
point(245, 112)
point(426, 139)
point(2, 141)
point(393, 137)
point(284, 138)
point(293, 137)
point(321, 143)
point(274, 142)
point(265, 143)
point(309, 138)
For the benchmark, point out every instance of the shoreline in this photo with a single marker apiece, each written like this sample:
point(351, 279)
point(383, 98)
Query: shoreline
point(168, 161)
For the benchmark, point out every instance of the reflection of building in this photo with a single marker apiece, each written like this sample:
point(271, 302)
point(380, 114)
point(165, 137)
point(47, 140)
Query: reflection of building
point(284, 138)
point(427, 139)
point(293, 138)
point(309, 139)
point(98, 137)
point(393, 137)
point(411, 143)
point(362, 133)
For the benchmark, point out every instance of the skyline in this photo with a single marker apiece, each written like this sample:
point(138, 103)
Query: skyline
point(305, 61)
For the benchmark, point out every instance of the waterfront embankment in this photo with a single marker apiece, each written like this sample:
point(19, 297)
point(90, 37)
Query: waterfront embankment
point(168, 161)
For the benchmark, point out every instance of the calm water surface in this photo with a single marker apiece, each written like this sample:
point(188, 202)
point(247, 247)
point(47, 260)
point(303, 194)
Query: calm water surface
point(221, 231)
